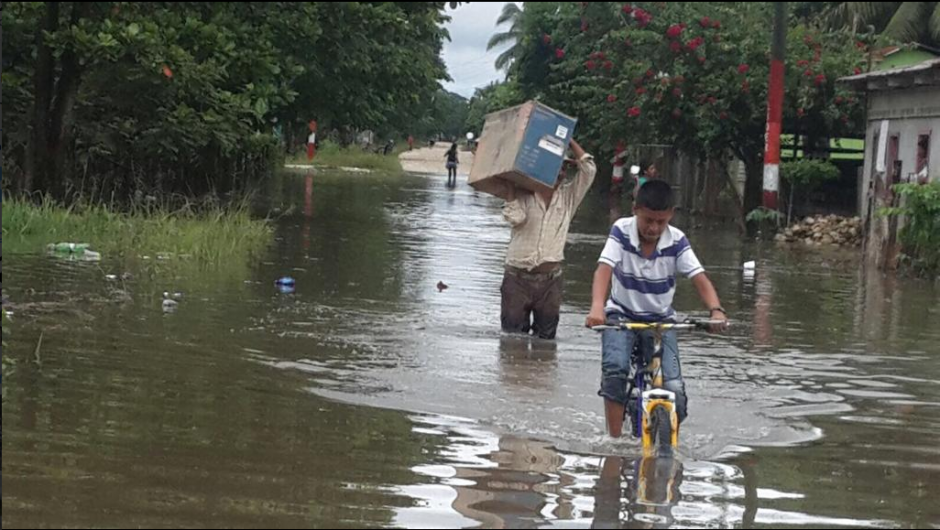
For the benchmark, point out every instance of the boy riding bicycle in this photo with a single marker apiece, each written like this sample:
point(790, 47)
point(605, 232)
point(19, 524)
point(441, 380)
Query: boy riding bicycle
point(643, 254)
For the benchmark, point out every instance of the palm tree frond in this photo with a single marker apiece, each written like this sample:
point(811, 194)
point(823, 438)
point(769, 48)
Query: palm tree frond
point(935, 24)
point(498, 39)
point(838, 16)
point(511, 12)
point(877, 13)
point(505, 59)
point(910, 22)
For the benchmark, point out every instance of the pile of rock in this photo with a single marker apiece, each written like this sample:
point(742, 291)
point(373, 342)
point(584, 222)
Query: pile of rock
point(825, 230)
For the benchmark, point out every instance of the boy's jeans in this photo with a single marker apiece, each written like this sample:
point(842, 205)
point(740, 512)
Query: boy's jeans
point(617, 346)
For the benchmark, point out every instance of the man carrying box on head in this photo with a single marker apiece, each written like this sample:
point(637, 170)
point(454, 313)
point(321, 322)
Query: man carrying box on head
point(532, 283)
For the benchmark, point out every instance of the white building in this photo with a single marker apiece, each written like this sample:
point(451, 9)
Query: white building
point(902, 144)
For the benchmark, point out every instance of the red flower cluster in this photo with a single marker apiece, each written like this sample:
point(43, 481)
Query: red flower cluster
point(705, 22)
point(674, 31)
point(611, 98)
point(820, 79)
point(743, 68)
point(559, 53)
point(643, 18)
point(633, 112)
point(590, 64)
point(695, 43)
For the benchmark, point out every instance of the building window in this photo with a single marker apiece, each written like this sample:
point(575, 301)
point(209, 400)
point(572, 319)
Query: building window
point(895, 164)
point(923, 157)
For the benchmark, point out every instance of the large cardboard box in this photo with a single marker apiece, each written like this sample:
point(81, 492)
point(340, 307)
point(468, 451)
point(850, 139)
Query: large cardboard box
point(525, 145)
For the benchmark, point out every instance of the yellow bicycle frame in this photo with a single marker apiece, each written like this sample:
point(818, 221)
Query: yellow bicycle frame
point(657, 396)
point(660, 326)
point(649, 405)
point(656, 399)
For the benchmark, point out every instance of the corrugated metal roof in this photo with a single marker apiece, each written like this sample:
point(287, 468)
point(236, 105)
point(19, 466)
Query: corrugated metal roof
point(926, 66)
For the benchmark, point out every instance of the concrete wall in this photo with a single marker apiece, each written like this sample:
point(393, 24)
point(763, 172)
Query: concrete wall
point(910, 113)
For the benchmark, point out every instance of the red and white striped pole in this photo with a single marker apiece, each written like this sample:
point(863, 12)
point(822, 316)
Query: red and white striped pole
point(312, 140)
point(775, 107)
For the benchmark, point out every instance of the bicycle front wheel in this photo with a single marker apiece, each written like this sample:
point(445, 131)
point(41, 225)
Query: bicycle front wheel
point(661, 431)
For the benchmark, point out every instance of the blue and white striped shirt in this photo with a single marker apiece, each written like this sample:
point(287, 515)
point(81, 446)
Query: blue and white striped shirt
point(643, 288)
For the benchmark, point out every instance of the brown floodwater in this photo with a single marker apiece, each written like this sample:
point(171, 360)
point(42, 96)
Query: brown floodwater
point(368, 397)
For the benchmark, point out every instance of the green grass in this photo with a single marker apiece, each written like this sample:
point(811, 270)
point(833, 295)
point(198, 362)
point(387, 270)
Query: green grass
point(210, 235)
point(332, 155)
point(856, 144)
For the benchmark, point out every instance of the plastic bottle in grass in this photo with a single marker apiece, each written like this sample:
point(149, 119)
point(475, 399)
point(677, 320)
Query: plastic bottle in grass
point(69, 248)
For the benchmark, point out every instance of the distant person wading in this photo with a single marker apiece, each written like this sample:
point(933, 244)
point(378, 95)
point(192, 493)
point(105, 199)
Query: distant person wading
point(452, 163)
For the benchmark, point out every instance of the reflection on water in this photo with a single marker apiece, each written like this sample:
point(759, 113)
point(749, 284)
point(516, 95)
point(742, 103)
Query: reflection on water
point(651, 494)
point(511, 482)
point(246, 406)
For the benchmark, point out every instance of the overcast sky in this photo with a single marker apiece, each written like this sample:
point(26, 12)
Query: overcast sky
point(468, 62)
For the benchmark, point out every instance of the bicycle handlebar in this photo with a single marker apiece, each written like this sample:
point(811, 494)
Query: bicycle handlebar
point(663, 326)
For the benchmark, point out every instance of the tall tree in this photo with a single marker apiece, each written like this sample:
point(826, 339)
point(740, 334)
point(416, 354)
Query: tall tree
point(493, 97)
point(693, 75)
point(109, 97)
point(903, 21)
point(512, 15)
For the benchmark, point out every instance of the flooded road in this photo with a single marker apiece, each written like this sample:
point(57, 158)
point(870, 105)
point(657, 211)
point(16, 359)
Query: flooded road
point(370, 397)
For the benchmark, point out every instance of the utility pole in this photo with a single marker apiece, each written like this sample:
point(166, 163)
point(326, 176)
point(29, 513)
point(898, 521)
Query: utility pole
point(775, 107)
